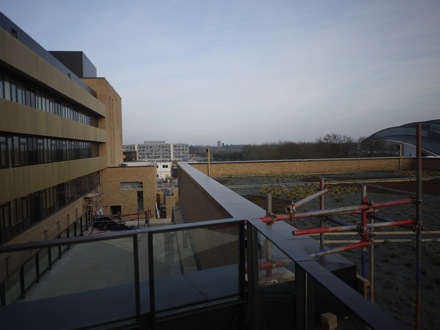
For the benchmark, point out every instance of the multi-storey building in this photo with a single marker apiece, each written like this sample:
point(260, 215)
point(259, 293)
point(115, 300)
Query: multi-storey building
point(60, 146)
point(180, 151)
point(154, 150)
point(53, 138)
point(159, 151)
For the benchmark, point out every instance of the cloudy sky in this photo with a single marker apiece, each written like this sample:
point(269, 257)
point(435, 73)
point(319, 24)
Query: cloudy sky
point(252, 71)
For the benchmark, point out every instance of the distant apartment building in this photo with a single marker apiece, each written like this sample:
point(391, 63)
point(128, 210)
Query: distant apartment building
point(158, 151)
point(154, 151)
point(180, 151)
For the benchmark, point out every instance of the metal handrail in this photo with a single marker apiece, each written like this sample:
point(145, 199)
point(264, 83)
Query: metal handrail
point(361, 308)
point(8, 248)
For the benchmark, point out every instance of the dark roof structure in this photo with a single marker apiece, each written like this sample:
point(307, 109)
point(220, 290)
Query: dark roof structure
point(406, 134)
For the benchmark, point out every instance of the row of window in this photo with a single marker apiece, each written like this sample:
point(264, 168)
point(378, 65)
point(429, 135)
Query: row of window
point(17, 89)
point(154, 153)
point(22, 150)
point(19, 214)
point(154, 148)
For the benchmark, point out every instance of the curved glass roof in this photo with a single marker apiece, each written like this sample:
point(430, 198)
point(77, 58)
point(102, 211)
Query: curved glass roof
point(406, 134)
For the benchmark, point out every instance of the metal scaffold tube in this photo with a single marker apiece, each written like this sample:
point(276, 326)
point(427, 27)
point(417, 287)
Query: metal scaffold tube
point(367, 211)
point(419, 230)
point(357, 228)
point(355, 209)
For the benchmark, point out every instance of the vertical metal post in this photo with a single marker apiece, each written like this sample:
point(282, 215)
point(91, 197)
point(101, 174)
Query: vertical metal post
point(151, 276)
point(269, 204)
point(22, 284)
point(59, 249)
point(364, 232)
point(322, 220)
point(137, 286)
point(419, 230)
point(242, 273)
point(400, 155)
point(267, 243)
point(371, 264)
point(209, 160)
point(2, 294)
point(49, 257)
point(37, 267)
point(304, 310)
point(252, 277)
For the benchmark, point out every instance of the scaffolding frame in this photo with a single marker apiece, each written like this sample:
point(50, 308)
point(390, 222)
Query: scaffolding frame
point(365, 230)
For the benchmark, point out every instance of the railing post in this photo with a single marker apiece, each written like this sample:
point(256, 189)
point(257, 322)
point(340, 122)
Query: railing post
point(49, 257)
point(304, 310)
point(252, 277)
point(418, 226)
point(322, 219)
point(242, 272)
point(137, 287)
point(2, 294)
point(22, 284)
point(37, 267)
point(151, 276)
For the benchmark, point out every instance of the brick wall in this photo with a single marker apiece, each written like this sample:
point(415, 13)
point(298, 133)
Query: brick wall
point(113, 195)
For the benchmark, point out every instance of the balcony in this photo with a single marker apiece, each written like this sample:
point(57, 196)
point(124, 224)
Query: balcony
point(219, 266)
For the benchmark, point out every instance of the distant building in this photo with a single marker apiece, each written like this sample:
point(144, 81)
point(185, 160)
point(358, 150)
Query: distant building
point(164, 170)
point(180, 151)
point(405, 136)
point(130, 156)
point(159, 151)
point(154, 150)
point(129, 147)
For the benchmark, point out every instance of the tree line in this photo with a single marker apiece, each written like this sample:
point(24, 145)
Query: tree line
point(332, 145)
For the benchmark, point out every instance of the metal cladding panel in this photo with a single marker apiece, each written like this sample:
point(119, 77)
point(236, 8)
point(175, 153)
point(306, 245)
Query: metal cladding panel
point(10, 27)
point(76, 61)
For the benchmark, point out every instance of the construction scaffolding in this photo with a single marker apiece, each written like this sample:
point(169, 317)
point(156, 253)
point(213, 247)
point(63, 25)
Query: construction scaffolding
point(365, 228)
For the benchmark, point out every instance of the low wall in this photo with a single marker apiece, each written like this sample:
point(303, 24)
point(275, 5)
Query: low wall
point(315, 166)
point(201, 198)
point(206, 199)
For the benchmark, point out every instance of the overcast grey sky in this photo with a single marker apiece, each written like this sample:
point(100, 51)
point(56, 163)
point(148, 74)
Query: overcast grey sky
point(252, 71)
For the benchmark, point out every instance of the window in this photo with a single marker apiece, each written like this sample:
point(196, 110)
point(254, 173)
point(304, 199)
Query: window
point(20, 93)
point(18, 89)
point(23, 151)
point(132, 185)
point(1, 85)
point(140, 200)
point(7, 87)
point(4, 161)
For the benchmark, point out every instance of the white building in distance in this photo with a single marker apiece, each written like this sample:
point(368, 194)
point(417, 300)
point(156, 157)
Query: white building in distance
point(159, 151)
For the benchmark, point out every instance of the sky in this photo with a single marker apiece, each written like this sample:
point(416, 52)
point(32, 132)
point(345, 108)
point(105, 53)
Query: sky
point(251, 71)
